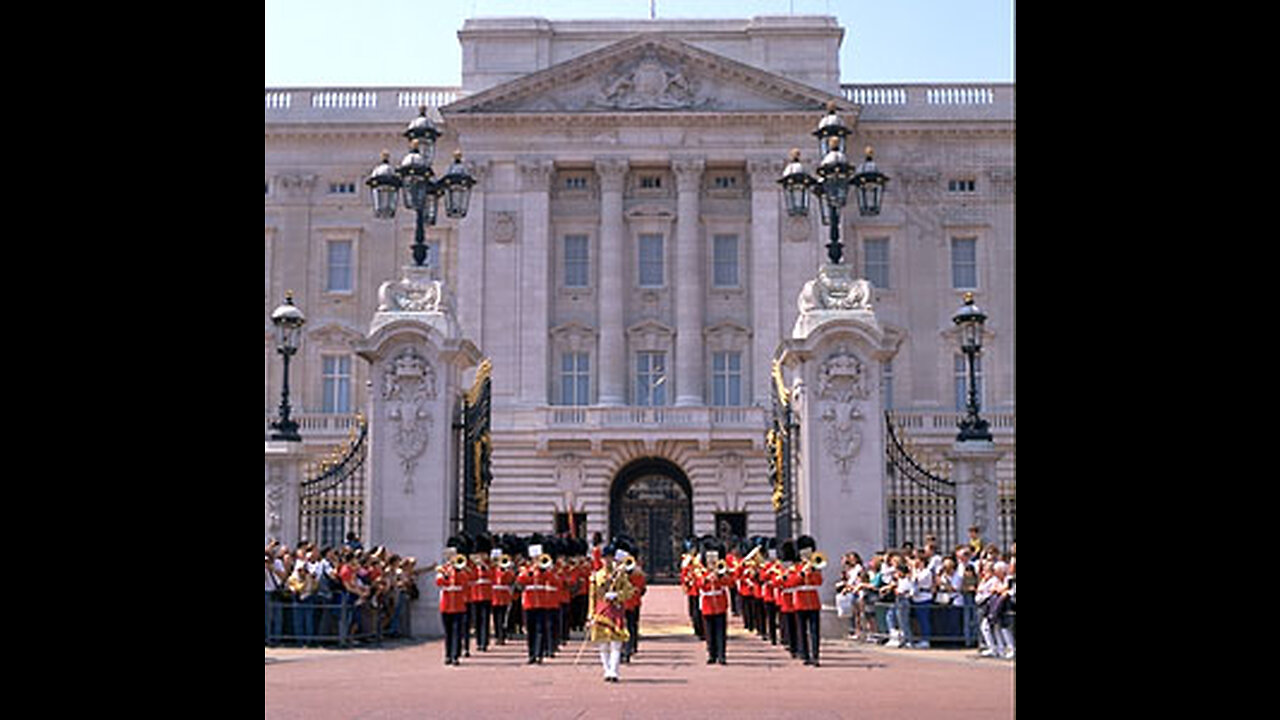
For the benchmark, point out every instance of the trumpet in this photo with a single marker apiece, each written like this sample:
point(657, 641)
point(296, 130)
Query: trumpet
point(504, 562)
point(816, 561)
point(722, 567)
point(545, 562)
point(459, 561)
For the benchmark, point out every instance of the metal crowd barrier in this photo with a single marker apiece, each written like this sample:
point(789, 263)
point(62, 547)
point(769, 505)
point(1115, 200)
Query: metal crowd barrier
point(341, 623)
point(950, 625)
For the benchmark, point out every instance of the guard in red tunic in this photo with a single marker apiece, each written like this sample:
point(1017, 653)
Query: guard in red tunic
point(690, 564)
point(481, 590)
point(789, 579)
point(632, 605)
point(808, 604)
point(534, 577)
point(713, 594)
point(451, 578)
point(503, 575)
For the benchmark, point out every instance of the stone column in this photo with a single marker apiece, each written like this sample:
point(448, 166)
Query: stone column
point(416, 364)
point(283, 475)
point(534, 279)
point(766, 265)
point(833, 358)
point(470, 283)
point(973, 469)
point(689, 296)
point(613, 283)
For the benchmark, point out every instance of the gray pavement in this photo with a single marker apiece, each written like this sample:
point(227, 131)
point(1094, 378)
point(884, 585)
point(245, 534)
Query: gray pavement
point(668, 678)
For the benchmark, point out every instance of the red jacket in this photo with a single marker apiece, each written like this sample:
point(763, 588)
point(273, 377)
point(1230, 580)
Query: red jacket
point(502, 581)
point(713, 593)
point(807, 586)
point(453, 590)
point(638, 582)
point(481, 583)
point(787, 595)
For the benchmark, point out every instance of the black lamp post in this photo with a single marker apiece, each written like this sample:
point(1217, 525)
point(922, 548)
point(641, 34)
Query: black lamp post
point(835, 177)
point(969, 319)
point(422, 191)
point(288, 321)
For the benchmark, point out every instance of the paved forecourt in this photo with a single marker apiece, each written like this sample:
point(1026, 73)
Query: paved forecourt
point(668, 677)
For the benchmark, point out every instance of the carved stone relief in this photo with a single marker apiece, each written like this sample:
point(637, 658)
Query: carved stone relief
point(732, 476)
point(571, 473)
point(841, 384)
point(649, 83)
point(835, 288)
point(408, 386)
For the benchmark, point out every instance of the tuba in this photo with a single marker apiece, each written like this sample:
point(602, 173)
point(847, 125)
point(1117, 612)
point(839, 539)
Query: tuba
point(628, 564)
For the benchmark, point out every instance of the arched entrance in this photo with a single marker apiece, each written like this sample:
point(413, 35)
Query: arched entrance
point(652, 502)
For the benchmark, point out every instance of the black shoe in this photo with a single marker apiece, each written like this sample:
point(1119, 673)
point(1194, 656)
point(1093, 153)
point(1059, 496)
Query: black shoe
point(721, 661)
point(711, 661)
point(815, 663)
point(807, 661)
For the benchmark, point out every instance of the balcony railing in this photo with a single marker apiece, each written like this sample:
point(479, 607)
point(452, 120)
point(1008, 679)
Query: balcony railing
point(353, 104)
point(595, 417)
point(329, 426)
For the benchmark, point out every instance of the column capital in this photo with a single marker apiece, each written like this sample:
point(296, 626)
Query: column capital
point(764, 170)
point(612, 172)
point(535, 173)
point(688, 170)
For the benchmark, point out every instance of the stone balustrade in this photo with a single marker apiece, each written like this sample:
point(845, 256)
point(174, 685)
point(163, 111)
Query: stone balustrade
point(880, 101)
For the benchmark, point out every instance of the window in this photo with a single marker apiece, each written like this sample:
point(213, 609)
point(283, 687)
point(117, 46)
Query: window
point(964, 263)
point(724, 182)
point(336, 383)
point(650, 182)
point(575, 261)
point(342, 188)
point(961, 185)
point(575, 182)
point(725, 261)
point(886, 384)
point(962, 380)
point(575, 378)
point(726, 379)
point(651, 378)
point(875, 261)
point(339, 266)
point(651, 260)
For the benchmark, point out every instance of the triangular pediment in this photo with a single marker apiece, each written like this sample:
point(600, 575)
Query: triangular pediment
point(648, 73)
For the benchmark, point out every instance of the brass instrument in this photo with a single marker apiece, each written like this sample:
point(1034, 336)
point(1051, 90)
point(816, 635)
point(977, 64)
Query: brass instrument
point(504, 562)
point(545, 562)
point(752, 557)
point(722, 567)
point(816, 561)
point(459, 561)
point(629, 564)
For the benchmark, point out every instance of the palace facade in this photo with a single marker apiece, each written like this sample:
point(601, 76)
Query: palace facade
point(627, 264)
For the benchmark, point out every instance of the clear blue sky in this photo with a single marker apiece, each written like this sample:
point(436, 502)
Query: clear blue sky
point(311, 43)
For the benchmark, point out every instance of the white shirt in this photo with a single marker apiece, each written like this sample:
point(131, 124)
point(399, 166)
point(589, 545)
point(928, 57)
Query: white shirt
point(922, 580)
point(988, 586)
point(276, 570)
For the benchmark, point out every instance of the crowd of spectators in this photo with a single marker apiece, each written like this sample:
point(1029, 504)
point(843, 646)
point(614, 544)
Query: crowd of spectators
point(917, 589)
point(320, 594)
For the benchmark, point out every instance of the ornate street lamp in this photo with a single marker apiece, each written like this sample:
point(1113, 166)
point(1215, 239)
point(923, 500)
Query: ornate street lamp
point(415, 179)
point(969, 320)
point(835, 176)
point(288, 321)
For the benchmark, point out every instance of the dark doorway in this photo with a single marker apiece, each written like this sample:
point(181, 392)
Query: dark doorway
point(576, 529)
point(652, 502)
point(731, 526)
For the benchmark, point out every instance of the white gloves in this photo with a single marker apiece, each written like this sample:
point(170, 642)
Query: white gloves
point(611, 596)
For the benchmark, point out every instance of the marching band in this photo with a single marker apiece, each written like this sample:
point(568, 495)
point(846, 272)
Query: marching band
point(497, 586)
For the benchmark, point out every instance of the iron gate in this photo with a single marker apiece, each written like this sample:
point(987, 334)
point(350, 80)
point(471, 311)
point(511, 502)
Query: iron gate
point(477, 449)
point(780, 441)
point(331, 503)
point(918, 502)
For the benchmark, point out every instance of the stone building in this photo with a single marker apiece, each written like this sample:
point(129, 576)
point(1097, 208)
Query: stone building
point(627, 264)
